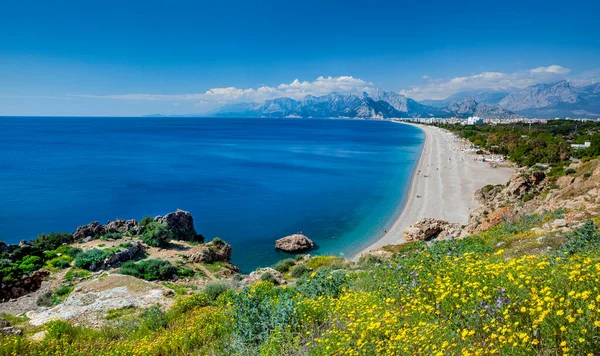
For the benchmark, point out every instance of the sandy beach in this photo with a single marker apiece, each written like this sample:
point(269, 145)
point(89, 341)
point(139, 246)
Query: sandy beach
point(445, 180)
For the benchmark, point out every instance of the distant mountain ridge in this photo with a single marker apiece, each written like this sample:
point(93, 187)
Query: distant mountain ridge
point(558, 99)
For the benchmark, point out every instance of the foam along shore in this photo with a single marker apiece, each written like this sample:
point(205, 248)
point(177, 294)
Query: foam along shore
point(443, 184)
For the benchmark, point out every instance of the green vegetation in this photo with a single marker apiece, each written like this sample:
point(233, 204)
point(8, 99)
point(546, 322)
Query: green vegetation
point(91, 258)
point(298, 271)
point(157, 234)
point(214, 289)
point(30, 257)
point(150, 269)
point(284, 265)
point(493, 293)
point(528, 145)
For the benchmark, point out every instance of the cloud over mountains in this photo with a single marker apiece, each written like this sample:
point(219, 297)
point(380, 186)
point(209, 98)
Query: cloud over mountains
point(441, 89)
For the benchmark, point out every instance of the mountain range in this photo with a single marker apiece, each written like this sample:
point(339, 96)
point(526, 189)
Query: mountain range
point(559, 99)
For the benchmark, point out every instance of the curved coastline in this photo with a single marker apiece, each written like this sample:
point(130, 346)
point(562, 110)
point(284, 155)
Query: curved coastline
point(445, 178)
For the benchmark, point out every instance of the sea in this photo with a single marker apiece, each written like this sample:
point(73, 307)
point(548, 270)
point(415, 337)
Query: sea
point(248, 181)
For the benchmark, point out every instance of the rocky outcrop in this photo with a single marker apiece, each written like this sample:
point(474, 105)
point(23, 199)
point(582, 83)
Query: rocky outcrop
point(121, 256)
point(429, 228)
point(182, 223)
point(214, 251)
point(23, 286)
point(294, 243)
point(90, 230)
point(120, 225)
point(91, 300)
point(257, 276)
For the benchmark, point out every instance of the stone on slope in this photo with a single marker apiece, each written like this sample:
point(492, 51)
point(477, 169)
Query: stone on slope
point(429, 228)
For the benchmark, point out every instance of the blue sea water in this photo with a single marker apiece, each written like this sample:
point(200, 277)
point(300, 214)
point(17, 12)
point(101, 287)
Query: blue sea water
point(248, 181)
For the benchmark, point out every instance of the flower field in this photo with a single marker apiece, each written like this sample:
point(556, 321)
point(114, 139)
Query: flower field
point(451, 297)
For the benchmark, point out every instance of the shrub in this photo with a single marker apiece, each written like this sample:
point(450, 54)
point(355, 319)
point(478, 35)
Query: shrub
point(569, 171)
point(150, 270)
point(583, 239)
point(527, 197)
point(52, 241)
point(323, 283)
point(157, 234)
point(188, 303)
point(214, 289)
point(153, 319)
point(90, 259)
point(323, 261)
point(112, 236)
point(146, 220)
point(258, 310)
point(268, 277)
point(284, 265)
point(185, 272)
point(76, 274)
point(61, 262)
point(30, 264)
point(299, 271)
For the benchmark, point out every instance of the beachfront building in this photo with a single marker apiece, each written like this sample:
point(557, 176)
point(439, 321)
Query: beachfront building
point(580, 146)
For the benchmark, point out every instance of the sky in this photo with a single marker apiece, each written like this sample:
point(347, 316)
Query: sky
point(129, 58)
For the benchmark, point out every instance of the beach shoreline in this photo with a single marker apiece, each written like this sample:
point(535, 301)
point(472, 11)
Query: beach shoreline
point(445, 180)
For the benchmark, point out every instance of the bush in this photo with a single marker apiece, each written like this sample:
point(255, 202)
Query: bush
point(299, 271)
point(268, 277)
point(90, 259)
point(150, 270)
point(214, 289)
point(112, 236)
point(153, 319)
point(61, 262)
point(284, 265)
point(569, 171)
point(323, 283)
point(146, 220)
point(583, 239)
point(52, 241)
point(157, 234)
point(188, 303)
point(30, 264)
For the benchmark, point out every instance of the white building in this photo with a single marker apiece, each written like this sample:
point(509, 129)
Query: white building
point(579, 146)
point(474, 120)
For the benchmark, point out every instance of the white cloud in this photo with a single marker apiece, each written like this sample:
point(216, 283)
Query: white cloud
point(556, 69)
point(441, 89)
point(296, 89)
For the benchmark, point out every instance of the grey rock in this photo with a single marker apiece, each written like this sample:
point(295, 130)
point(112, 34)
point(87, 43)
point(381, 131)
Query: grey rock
point(10, 331)
point(293, 243)
point(214, 251)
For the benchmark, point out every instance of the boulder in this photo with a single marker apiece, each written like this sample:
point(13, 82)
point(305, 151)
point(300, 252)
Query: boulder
point(293, 243)
point(92, 229)
point(181, 222)
point(559, 223)
point(216, 250)
point(429, 228)
point(10, 331)
point(4, 323)
point(257, 275)
point(120, 225)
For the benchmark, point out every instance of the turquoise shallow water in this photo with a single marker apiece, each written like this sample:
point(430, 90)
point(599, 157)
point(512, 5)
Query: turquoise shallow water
point(248, 181)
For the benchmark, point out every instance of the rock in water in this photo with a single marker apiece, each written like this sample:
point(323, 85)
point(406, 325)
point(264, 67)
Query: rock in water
point(429, 228)
point(293, 243)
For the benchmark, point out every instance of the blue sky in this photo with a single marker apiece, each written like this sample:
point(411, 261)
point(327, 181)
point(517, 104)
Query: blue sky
point(142, 57)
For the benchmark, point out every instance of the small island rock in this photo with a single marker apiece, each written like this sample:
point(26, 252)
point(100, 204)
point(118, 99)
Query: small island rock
point(293, 243)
